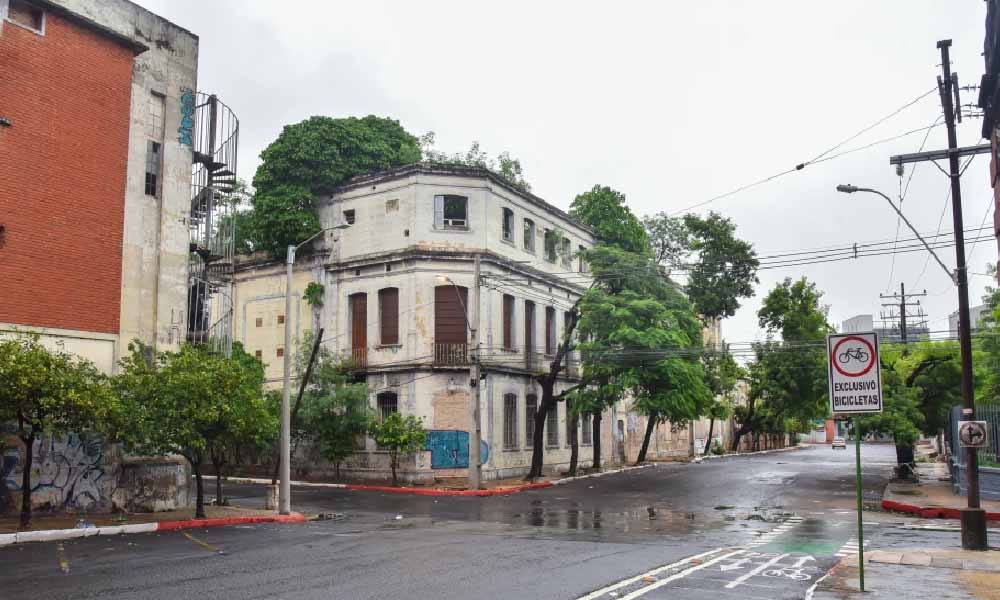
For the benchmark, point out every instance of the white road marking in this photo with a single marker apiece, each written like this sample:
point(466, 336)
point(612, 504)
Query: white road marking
point(756, 571)
point(626, 582)
point(680, 575)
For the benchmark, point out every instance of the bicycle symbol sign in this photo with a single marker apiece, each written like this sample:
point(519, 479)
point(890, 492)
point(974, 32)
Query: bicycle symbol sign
point(855, 378)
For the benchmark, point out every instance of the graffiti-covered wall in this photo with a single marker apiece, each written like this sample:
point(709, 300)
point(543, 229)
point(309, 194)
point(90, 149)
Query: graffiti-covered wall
point(72, 472)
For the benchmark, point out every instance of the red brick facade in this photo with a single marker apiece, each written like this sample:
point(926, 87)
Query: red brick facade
point(67, 94)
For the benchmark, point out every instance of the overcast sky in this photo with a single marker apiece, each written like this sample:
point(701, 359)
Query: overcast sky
point(670, 102)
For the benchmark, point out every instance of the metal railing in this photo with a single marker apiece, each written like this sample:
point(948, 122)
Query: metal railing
point(359, 358)
point(451, 354)
point(988, 455)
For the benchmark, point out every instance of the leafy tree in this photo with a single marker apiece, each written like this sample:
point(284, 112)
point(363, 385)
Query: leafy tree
point(721, 374)
point(48, 392)
point(190, 402)
point(604, 210)
point(933, 370)
point(313, 157)
point(901, 416)
point(399, 435)
point(505, 166)
point(789, 376)
point(725, 269)
point(669, 239)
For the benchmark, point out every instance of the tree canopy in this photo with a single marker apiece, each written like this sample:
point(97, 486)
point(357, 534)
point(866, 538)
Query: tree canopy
point(507, 167)
point(604, 210)
point(313, 157)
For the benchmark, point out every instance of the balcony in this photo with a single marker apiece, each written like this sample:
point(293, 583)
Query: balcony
point(359, 358)
point(446, 355)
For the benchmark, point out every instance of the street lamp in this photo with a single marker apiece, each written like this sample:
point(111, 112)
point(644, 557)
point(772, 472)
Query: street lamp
point(285, 460)
point(475, 468)
point(850, 189)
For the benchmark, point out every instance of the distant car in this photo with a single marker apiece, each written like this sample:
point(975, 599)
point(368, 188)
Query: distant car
point(839, 442)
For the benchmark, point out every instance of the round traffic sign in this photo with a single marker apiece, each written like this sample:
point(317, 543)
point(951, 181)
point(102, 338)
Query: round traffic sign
point(854, 359)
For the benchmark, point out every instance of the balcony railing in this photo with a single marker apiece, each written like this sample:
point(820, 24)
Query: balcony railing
point(451, 354)
point(359, 358)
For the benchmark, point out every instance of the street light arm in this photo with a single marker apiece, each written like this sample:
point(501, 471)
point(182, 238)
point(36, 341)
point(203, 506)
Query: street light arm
point(850, 189)
point(293, 249)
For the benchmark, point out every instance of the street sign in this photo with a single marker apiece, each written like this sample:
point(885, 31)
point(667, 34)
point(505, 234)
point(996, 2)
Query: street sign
point(972, 434)
point(855, 377)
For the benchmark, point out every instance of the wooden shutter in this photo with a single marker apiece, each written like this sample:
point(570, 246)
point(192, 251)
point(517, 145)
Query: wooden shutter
point(449, 315)
point(388, 300)
point(438, 211)
point(550, 330)
point(508, 322)
point(359, 321)
point(529, 326)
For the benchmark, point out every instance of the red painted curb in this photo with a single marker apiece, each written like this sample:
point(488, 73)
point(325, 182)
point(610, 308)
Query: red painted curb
point(223, 521)
point(502, 491)
point(933, 512)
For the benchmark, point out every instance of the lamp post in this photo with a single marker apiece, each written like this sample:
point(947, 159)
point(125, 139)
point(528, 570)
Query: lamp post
point(973, 517)
point(475, 468)
point(285, 487)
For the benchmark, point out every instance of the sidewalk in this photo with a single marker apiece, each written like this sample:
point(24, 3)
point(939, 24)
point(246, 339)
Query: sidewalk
point(62, 527)
point(933, 497)
point(915, 573)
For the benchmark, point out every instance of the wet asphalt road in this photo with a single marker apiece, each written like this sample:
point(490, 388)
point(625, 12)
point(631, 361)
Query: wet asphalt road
point(764, 526)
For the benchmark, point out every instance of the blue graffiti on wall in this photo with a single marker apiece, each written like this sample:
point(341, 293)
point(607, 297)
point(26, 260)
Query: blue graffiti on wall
point(67, 472)
point(450, 449)
point(187, 117)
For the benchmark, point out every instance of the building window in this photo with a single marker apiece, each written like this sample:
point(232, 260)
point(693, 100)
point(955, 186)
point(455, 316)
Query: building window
point(550, 245)
point(358, 307)
point(550, 330)
point(529, 334)
point(349, 217)
point(26, 15)
point(509, 421)
point(586, 429)
point(153, 168)
point(530, 406)
point(529, 235)
point(451, 212)
point(567, 323)
point(281, 319)
point(259, 355)
point(280, 351)
point(508, 322)
point(259, 322)
point(582, 264)
point(552, 428)
point(570, 428)
point(508, 225)
point(155, 116)
point(388, 315)
point(567, 253)
point(388, 403)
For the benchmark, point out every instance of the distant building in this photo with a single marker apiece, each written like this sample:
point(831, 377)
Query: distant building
point(99, 142)
point(866, 323)
point(976, 315)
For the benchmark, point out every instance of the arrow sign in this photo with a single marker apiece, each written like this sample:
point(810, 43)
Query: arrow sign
point(802, 561)
point(736, 564)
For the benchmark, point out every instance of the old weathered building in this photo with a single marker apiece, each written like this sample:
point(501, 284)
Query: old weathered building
point(398, 283)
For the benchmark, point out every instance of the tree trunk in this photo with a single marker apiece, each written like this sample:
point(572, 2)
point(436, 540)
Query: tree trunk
point(596, 440)
point(737, 437)
point(199, 506)
point(336, 470)
point(904, 460)
point(29, 457)
point(537, 443)
point(650, 426)
point(574, 443)
point(711, 430)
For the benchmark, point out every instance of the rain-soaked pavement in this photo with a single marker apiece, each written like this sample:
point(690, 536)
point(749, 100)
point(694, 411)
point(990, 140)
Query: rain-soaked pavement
point(764, 526)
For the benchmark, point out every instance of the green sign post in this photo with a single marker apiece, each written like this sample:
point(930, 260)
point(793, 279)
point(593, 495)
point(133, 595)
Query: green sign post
point(855, 390)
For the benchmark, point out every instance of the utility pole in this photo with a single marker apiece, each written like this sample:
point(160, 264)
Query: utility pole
point(973, 517)
point(902, 296)
point(475, 468)
point(285, 472)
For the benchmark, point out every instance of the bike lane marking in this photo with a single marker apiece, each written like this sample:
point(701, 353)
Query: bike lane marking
point(681, 575)
point(756, 571)
point(631, 580)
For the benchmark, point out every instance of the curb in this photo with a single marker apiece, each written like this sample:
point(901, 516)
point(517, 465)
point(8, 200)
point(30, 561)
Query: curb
point(50, 535)
point(931, 512)
point(698, 459)
point(420, 491)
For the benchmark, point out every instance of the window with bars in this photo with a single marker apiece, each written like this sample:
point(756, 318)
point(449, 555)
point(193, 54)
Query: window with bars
point(552, 428)
point(529, 235)
point(388, 315)
point(155, 116)
point(508, 322)
point(388, 403)
point(530, 406)
point(509, 421)
point(550, 245)
point(586, 429)
point(153, 169)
